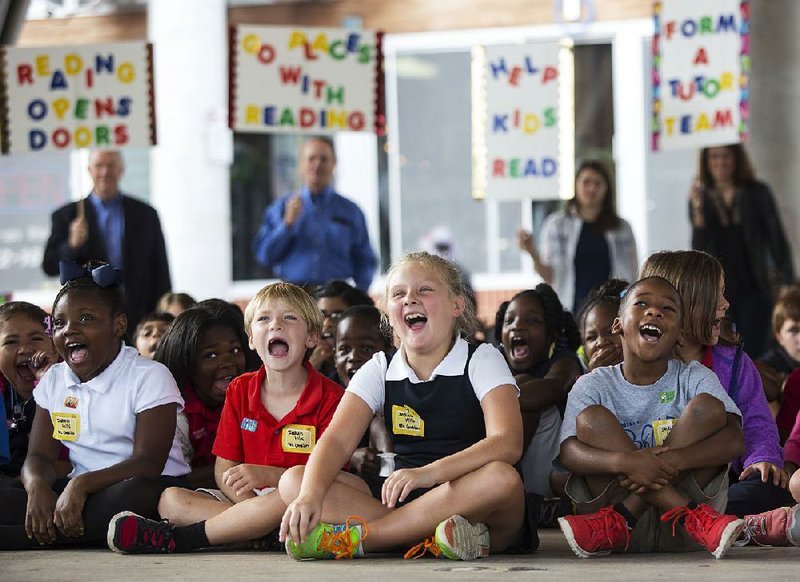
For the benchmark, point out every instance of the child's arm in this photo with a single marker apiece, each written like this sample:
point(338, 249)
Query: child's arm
point(330, 454)
point(540, 393)
point(38, 475)
point(152, 441)
point(716, 450)
point(503, 442)
point(237, 480)
point(644, 467)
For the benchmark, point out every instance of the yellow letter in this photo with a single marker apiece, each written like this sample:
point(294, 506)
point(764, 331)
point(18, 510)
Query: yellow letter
point(126, 73)
point(73, 64)
point(298, 39)
point(42, 65)
point(60, 106)
point(251, 43)
point(251, 114)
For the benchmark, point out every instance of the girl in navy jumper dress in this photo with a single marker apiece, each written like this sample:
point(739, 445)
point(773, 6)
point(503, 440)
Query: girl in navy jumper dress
point(451, 411)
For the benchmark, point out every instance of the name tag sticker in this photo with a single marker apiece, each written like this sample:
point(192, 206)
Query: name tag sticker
point(298, 438)
point(661, 429)
point(405, 420)
point(249, 424)
point(66, 426)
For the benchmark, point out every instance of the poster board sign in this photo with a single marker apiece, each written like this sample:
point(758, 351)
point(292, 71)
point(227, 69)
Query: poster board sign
point(701, 70)
point(518, 120)
point(59, 98)
point(305, 80)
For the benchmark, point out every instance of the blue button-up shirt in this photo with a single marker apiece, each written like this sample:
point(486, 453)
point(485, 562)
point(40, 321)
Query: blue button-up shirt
point(329, 240)
point(111, 221)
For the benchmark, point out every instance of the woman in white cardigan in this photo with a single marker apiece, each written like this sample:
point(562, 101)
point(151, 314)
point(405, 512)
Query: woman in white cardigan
point(585, 244)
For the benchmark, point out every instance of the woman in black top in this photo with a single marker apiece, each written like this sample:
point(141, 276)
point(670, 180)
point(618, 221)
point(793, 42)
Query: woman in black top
point(735, 219)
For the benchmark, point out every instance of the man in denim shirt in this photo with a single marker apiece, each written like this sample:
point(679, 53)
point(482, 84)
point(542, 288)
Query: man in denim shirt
point(316, 235)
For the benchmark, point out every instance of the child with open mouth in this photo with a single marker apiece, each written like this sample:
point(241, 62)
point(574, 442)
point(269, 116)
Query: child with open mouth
point(26, 353)
point(648, 441)
point(272, 419)
point(115, 412)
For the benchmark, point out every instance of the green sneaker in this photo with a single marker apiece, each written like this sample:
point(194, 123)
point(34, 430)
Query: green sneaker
point(328, 542)
point(455, 539)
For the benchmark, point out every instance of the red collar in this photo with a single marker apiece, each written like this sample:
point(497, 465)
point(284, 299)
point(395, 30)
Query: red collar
point(708, 357)
point(193, 405)
point(307, 403)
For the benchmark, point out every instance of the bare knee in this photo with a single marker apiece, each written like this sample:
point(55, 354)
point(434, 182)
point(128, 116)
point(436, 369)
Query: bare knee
point(794, 485)
point(506, 482)
point(172, 502)
point(289, 485)
point(592, 419)
point(706, 410)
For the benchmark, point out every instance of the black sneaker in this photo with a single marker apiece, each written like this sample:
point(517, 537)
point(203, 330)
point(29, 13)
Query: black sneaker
point(129, 533)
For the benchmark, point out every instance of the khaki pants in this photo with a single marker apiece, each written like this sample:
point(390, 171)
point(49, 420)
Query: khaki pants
point(650, 533)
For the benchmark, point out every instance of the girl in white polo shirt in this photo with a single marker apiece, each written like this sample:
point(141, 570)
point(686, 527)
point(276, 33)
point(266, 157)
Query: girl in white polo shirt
point(114, 410)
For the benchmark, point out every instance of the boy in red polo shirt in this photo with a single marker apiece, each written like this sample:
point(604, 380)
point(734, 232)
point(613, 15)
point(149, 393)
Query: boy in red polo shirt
point(271, 421)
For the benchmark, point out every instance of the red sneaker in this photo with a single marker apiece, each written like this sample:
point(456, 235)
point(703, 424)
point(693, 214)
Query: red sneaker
point(709, 528)
point(596, 534)
point(768, 528)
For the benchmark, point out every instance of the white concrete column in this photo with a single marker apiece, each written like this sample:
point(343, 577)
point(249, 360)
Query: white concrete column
point(775, 107)
point(189, 166)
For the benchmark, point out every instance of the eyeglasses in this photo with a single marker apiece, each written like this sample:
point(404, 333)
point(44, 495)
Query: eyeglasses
point(334, 315)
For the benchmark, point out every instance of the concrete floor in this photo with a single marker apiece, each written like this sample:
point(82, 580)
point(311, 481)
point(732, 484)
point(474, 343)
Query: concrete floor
point(554, 561)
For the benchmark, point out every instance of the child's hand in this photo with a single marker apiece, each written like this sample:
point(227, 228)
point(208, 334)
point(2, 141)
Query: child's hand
point(40, 363)
point(402, 482)
point(322, 354)
point(39, 524)
point(646, 469)
point(780, 477)
point(68, 515)
point(606, 355)
point(300, 517)
point(246, 477)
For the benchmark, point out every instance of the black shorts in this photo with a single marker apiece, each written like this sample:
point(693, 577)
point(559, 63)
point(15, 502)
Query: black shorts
point(375, 484)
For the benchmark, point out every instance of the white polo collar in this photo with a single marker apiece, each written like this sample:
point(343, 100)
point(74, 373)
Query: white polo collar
point(102, 382)
point(452, 364)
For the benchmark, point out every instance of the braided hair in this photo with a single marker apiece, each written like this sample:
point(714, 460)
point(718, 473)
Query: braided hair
point(559, 323)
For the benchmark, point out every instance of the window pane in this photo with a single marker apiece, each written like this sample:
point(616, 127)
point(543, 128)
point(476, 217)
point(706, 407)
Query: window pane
point(435, 155)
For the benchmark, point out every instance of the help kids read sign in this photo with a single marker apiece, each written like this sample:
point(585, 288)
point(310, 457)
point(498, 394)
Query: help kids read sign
point(293, 80)
point(516, 121)
point(76, 97)
point(701, 66)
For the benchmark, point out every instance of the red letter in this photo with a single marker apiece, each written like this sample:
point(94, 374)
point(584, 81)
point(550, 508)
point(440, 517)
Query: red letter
point(550, 73)
point(499, 168)
point(267, 54)
point(61, 138)
point(723, 119)
point(101, 106)
point(513, 78)
point(701, 57)
point(24, 75)
point(670, 29)
point(121, 135)
point(290, 75)
point(310, 56)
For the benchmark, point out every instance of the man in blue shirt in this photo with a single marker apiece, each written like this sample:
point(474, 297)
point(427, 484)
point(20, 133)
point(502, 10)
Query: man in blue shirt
point(109, 226)
point(316, 235)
